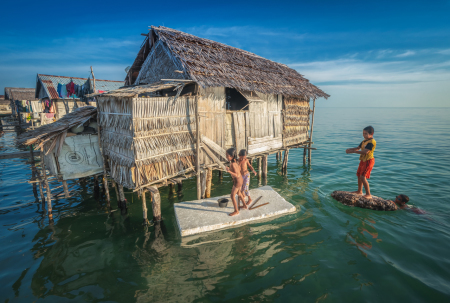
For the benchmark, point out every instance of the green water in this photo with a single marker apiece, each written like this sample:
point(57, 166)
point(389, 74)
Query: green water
point(324, 252)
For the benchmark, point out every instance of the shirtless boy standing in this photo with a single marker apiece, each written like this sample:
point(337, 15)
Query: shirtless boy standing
point(243, 163)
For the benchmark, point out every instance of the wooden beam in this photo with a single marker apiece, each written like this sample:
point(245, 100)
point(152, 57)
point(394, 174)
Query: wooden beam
point(24, 154)
point(144, 208)
point(122, 200)
point(311, 134)
point(213, 157)
point(197, 147)
point(156, 203)
point(264, 166)
point(208, 182)
point(47, 187)
point(105, 175)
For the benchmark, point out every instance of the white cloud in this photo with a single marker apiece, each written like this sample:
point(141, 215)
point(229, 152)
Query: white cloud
point(354, 70)
point(406, 54)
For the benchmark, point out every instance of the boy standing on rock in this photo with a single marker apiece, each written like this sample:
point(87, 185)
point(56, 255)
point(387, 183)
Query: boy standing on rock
point(365, 149)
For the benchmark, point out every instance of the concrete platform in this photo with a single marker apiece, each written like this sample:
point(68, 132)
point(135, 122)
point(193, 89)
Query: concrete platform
point(205, 215)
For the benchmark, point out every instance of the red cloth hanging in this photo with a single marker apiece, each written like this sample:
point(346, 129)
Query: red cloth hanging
point(70, 89)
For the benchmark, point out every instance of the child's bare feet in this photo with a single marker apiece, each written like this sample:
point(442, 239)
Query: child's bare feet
point(368, 196)
point(245, 206)
point(235, 213)
point(357, 192)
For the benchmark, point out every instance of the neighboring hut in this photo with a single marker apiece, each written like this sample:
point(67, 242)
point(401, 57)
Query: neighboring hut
point(187, 89)
point(16, 95)
point(47, 89)
point(70, 147)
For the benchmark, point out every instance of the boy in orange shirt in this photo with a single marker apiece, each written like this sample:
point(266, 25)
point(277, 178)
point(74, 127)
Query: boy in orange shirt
point(367, 161)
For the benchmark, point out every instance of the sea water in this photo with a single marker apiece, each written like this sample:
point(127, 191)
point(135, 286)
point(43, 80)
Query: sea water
point(324, 252)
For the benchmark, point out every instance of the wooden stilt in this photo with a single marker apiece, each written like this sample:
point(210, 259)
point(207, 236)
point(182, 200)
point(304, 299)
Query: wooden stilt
point(304, 156)
point(264, 166)
point(47, 188)
point(156, 203)
point(203, 183)
point(105, 175)
point(33, 171)
point(66, 189)
point(208, 182)
point(96, 187)
point(180, 186)
point(144, 208)
point(277, 155)
point(122, 200)
point(285, 161)
point(311, 134)
point(197, 147)
point(41, 192)
point(259, 167)
point(220, 175)
point(117, 193)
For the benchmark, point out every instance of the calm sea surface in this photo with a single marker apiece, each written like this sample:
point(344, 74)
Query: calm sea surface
point(324, 252)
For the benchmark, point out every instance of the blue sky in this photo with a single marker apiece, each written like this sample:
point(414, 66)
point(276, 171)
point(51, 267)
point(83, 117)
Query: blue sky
point(363, 53)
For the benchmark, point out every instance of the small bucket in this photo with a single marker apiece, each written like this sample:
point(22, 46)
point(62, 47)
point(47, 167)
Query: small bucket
point(223, 202)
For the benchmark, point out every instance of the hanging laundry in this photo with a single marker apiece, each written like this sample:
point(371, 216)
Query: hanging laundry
point(63, 92)
point(70, 88)
point(59, 90)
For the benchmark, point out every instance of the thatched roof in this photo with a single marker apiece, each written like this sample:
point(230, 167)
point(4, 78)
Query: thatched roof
point(56, 132)
point(19, 93)
point(211, 63)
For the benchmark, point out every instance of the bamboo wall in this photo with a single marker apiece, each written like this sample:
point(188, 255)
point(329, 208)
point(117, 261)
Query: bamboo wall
point(147, 139)
point(212, 117)
point(296, 121)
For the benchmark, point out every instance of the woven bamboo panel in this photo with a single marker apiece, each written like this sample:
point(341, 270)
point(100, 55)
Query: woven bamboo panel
point(296, 121)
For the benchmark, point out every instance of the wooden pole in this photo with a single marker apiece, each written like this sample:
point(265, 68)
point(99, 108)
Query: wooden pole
point(264, 166)
point(259, 167)
point(220, 175)
point(122, 201)
point(117, 193)
point(144, 208)
point(105, 175)
point(304, 156)
point(311, 134)
point(285, 161)
point(33, 171)
point(96, 187)
point(47, 187)
point(208, 182)
point(197, 147)
point(180, 186)
point(203, 183)
point(93, 78)
point(66, 189)
point(156, 203)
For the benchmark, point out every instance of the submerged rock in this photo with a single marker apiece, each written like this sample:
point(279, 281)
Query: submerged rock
point(352, 199)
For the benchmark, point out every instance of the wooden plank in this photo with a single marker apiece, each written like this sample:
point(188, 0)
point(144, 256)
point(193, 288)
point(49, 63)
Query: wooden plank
point(24, 154)
point(213, 157)
point(212, 145)
point(258, 145)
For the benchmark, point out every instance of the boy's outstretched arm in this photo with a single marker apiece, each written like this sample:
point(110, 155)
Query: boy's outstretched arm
point(352, 150)
point(361, 152)
point(248, 163)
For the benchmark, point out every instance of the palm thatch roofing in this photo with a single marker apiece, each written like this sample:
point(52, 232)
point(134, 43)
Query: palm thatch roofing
point(58, 129)
point(19, 93)
point(211, 63)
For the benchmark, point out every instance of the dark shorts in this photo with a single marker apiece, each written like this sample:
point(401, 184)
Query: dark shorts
point(365, 168)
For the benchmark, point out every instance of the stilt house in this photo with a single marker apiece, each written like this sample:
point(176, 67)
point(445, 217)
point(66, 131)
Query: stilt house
point(188, 99)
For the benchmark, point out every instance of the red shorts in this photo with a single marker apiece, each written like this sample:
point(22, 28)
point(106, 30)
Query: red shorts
point(365, 168)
